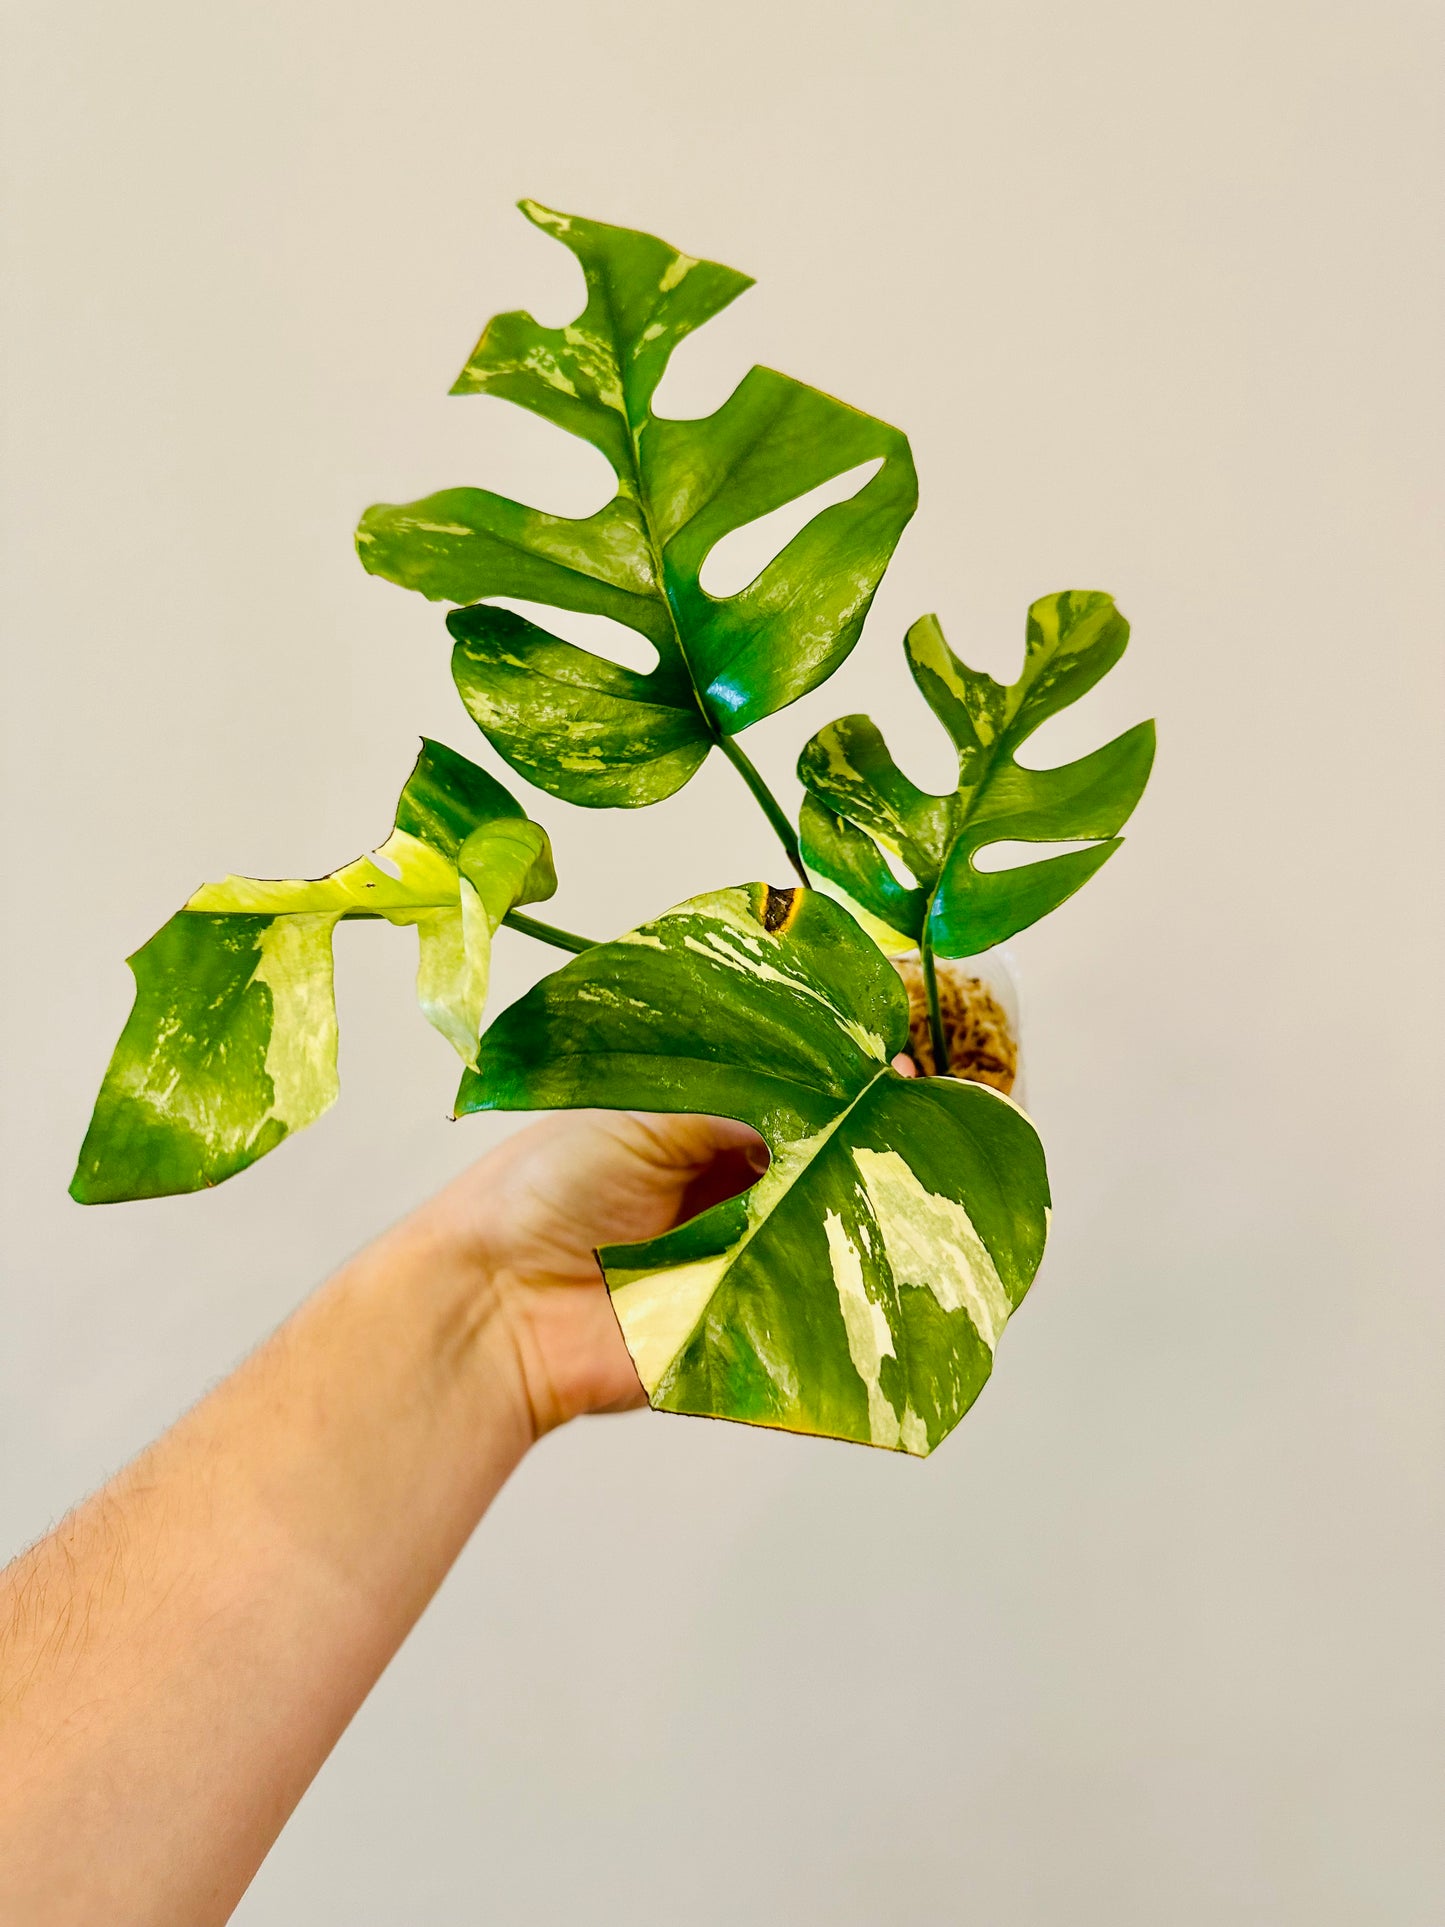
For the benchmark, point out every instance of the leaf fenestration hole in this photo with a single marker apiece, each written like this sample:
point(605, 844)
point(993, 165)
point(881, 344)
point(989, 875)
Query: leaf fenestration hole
point(556, 288)
point(740, 558)
point(705, 368)
point(1096, 717)
point(1008, 856)
point(929, 759)
point(613, 641)
point(528, 459)
point(898, 869)
point(389, 864)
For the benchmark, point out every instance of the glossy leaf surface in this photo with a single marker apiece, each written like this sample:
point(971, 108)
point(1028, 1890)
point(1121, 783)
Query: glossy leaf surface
point(231, 1043)
point(860, 803)
point(570, 721)
point(859, 1288)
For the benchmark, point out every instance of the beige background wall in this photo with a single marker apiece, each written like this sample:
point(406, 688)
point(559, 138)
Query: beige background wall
point(1155, 288)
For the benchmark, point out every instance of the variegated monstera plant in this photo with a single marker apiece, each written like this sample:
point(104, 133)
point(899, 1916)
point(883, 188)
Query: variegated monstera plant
point(860, 1287)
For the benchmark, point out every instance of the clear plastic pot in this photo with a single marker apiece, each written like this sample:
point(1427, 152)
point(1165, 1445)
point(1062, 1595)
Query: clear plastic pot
point(979, 997)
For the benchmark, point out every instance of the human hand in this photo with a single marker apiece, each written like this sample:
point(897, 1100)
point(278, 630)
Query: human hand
point(534, 1210)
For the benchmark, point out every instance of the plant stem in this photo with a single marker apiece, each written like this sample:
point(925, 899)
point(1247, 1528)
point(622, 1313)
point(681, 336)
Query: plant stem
point(546, 932)
point(941, 1065)
point(772, 809)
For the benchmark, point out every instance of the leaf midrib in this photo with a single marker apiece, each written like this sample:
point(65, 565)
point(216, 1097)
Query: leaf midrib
point(659, 572)
point(1015, 693)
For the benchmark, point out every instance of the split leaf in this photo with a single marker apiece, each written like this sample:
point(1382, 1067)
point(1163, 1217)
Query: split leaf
point(231, 1043)
point(570, 721)
point(860, 803)
point(859, 1288)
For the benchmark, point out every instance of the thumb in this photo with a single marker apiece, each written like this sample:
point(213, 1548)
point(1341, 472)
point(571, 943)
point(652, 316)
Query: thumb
point(687, 1140)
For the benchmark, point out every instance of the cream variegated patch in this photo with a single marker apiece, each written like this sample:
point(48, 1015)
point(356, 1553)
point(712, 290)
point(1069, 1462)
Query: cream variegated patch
point(893, 943)
point(930, 1241)
point(454, 929)
point(678, 269)
point(296, 967)
point(659, 1311)
point(453, 965)
point(870, 1339)
point(427, 879)
point(737, 943)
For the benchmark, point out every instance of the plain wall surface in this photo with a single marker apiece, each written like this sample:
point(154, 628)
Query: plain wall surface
point(1156, 292)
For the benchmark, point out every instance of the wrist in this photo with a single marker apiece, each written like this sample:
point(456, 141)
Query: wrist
point(455, 1306)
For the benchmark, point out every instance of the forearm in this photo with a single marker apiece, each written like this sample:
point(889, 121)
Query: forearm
point(179, 1657)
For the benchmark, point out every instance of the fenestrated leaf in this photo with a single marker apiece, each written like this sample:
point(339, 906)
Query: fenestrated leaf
point(570, 721)
point(860, 1287)
point(860, 800)
point(231, 1043)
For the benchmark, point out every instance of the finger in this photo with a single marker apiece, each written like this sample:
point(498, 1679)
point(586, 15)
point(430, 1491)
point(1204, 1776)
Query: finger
point(687, 1139)
point(904, 1065)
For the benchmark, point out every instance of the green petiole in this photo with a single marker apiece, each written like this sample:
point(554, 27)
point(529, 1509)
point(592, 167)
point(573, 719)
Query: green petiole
point(772, 809)
point(547, 932)
point(941, 1066)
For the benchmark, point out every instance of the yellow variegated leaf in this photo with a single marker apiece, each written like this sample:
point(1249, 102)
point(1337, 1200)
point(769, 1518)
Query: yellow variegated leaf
point(231, 1044)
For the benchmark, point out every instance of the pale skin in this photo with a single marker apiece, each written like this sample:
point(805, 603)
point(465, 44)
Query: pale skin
point(180, 1655)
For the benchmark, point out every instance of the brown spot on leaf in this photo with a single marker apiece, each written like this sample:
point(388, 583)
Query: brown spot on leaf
point(779, 909)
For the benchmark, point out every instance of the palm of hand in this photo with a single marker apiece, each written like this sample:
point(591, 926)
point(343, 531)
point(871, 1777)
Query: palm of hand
point(539, 1205)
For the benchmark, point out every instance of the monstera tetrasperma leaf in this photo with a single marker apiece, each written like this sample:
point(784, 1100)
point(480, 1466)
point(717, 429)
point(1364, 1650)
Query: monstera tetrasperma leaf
point(859, 1288)
point(859, 798)
point(231, 1043)
point(575, 724)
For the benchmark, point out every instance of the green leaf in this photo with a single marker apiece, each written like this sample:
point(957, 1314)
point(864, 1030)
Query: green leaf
point(860, 803)
point(859, 1288)
point(231, 1043)
point(567, 719)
